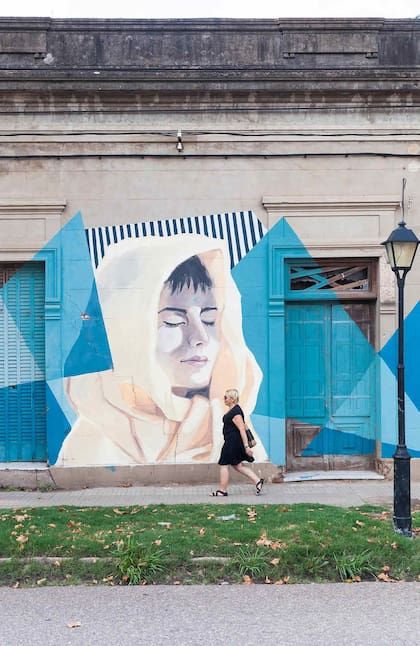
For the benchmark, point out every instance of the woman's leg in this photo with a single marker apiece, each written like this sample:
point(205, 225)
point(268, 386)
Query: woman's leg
point(247, 472)
point(224, 477)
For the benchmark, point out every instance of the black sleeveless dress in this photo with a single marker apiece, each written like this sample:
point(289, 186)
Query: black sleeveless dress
point(233, 451)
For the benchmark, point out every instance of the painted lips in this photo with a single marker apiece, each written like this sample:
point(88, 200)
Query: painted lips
point(195, 361)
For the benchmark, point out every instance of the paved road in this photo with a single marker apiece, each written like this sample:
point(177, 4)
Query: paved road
point(343, 493)
point(335, 614)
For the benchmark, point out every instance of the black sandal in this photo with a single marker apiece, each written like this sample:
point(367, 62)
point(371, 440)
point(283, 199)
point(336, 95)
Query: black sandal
point(259, 486)
point(218, 493)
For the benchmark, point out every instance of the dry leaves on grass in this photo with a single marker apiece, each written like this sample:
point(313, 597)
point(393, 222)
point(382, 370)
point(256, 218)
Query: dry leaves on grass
point(266, 542)
point(22, 539)
point(119, 512)
point(252, 515)
point(384, 576)
point(19, 518)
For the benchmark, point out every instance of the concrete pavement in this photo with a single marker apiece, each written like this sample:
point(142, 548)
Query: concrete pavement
point(362, 614)
point(342, 493)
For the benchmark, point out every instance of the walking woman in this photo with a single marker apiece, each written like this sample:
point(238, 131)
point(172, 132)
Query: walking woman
point(235, 449)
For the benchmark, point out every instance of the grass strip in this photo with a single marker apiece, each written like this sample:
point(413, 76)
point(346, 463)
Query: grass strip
point(184, 544)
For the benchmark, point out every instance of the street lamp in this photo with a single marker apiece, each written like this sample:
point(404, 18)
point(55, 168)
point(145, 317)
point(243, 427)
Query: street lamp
point(401, 248)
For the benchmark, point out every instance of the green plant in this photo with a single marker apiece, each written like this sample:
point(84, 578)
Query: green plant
point(138, 562)
point(251, 561)
point(315, 563)
point(350, 566)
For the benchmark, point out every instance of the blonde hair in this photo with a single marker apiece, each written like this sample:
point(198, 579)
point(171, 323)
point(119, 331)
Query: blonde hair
point(233, 394)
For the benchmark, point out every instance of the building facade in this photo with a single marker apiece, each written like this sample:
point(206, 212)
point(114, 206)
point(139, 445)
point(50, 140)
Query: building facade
point(194, 205)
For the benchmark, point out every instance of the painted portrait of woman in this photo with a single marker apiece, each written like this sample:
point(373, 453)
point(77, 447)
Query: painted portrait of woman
point(173, 318)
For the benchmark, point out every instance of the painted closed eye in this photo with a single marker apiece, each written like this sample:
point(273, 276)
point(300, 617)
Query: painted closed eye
point(204, 322)
point(209, 316)
point(174, 323)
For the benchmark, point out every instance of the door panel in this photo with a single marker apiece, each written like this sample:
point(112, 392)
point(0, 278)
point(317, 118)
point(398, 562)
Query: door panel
point(330, 385)
point(305, 364)
point(22, 363)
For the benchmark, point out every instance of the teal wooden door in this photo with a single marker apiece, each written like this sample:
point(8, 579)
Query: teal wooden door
point(22, 363)
point(329, 385)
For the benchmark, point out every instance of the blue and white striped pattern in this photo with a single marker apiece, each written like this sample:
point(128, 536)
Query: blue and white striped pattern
point(242, 231)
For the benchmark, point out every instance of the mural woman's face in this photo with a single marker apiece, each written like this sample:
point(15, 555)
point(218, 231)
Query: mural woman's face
point(187, 343)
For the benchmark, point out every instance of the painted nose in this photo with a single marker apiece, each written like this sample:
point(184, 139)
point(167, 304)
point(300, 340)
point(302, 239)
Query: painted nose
point(198, 334)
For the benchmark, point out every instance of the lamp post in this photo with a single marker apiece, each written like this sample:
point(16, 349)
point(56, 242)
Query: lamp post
point(401, 248)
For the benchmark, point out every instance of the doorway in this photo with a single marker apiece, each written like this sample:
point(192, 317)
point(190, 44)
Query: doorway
point(22, 362)
point(330, 382)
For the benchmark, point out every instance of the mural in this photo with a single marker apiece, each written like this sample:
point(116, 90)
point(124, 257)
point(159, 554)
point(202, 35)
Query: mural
point(172, 314)
point(147, 324)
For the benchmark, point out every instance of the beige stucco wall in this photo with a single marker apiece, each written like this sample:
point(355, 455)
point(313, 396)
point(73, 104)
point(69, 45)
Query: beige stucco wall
point(333, 167)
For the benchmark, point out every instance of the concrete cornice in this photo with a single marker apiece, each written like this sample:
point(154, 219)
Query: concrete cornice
point(217, 24)
point(325, 57)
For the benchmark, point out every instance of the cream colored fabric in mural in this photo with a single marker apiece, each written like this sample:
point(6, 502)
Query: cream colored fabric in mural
point(175, 351)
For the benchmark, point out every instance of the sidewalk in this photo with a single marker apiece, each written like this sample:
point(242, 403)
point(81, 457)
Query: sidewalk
point(343, 493)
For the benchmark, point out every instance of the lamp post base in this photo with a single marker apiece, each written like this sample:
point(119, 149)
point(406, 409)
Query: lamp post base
point(402, 495)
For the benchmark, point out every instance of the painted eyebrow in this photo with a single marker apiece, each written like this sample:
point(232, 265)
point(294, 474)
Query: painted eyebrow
point(182, 311)
point(172, 309)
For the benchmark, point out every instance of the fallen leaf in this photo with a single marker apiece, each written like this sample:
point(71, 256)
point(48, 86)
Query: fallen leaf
point(202, 531)
point(41, 581)
point(177, 582)
point(252, 514)
point(118, 512)
point(394, 545)
point(275, 561)
point(386, 568)
point(19, 518)
point(16, 585)
point(57, 563)
point(267, 580)
point(158, 541)
point(22, 539)
point(384, 577)
point(247, 579)
point(278, 546)
point(51, 525)
point(74, 624)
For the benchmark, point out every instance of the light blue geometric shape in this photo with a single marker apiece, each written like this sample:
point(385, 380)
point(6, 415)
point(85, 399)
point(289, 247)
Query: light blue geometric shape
point(411, 355)
point(78, 295)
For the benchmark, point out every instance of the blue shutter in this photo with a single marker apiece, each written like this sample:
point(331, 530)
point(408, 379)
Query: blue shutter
point(22, 363)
